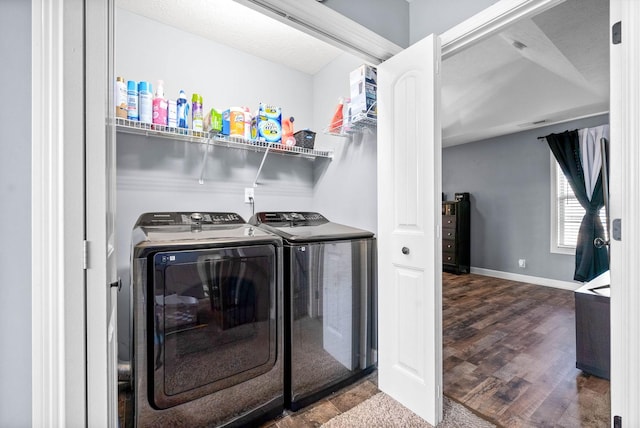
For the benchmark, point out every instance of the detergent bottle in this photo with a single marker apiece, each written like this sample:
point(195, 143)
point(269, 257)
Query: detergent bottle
point(182, 107)
point(287, 132)
point(197, 112)
point(160, 106)
point(335, 127)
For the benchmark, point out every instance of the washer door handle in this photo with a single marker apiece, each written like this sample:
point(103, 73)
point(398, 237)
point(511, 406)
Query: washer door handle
point(405, 250)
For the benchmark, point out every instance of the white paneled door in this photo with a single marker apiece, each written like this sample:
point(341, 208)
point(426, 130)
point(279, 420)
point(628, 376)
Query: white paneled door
point(409, 213)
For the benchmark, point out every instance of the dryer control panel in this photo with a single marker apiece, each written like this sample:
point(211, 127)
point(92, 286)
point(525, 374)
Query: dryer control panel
point(188, 218)
point(299, 218)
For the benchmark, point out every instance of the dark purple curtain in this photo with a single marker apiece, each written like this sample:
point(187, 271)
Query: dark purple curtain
point(590, 261)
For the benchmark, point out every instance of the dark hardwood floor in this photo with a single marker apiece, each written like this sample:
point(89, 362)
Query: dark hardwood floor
point(509, 355)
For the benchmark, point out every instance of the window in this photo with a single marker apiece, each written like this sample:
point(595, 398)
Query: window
point(566, 213)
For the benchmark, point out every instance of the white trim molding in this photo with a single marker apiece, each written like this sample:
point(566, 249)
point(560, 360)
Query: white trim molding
point(101, 298)
point(48, 370)
point(625, 205)
point(536, 280)
point(326, 24)
point(490, 21)
point(58, 353)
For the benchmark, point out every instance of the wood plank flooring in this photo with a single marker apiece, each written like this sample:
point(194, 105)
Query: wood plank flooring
point(509, 355)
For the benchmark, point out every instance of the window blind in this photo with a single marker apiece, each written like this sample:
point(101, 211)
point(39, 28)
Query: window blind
point(570, 212)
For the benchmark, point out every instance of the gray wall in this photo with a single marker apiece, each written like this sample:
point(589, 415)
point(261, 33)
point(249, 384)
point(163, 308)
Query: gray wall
point(345, 188)
point(162, 175)
point(15, 216)
point(388, 18)
point(509, 181)
point(437, 16)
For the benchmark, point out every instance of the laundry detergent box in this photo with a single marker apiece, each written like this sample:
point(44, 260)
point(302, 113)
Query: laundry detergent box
point(363, 83)
point(213, 121)
point(267, 124)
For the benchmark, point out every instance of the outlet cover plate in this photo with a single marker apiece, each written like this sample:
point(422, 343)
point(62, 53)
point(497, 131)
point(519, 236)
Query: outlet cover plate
point(248, 195)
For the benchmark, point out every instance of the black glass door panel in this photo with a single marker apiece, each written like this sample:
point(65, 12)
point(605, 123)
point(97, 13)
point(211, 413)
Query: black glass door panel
point(214, 320)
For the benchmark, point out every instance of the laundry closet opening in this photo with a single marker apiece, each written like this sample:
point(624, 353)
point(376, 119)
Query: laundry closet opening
point(184, 201)
point(505, 326)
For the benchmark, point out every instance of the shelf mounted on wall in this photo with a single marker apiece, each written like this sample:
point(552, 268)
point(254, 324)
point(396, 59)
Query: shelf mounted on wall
point(359, 123)
point(209, 140)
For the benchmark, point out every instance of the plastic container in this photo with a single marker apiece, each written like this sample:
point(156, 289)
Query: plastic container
point(226, 123)
point(197, 115)
point(132, 100)
point(335, 126)
point(236, 122)
point(145, 102)
point(247, 123)
point(287, 132)
point(120, 98)
point(269, 123)
point(160, 106)
point(182, 107)
point(172, 114)
point(305, 139)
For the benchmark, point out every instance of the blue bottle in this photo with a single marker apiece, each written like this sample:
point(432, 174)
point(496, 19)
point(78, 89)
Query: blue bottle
point(145, 102)
point(183, 111)
point(132, 100)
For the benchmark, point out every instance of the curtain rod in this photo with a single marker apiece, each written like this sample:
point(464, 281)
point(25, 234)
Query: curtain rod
point(542, 138)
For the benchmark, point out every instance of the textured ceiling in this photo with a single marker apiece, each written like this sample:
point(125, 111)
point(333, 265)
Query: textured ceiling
point(562, 73)
point(242, 28)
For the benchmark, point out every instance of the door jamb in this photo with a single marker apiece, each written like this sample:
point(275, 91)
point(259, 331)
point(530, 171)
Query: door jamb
point(625, 176)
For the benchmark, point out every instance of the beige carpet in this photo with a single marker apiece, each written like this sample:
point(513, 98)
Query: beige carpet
point(383, 411)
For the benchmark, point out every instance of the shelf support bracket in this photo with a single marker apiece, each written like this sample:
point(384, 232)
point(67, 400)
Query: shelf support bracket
point(207, 145)
point(264, 157)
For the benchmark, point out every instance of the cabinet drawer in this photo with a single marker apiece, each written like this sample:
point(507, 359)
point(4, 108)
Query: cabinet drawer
point(448, 245)
point(448, 233)
point(448, 258)
point(448, 221)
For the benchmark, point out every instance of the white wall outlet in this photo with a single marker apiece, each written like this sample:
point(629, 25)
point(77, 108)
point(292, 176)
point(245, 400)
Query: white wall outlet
point(248, 195)
point(522, 263)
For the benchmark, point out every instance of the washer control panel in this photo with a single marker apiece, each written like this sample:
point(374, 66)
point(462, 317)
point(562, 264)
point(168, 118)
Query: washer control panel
point(189, 218)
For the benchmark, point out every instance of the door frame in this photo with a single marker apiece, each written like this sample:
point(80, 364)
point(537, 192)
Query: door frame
point(58, 208)
point(57, 222)
point(624, 177)
point(69, 304)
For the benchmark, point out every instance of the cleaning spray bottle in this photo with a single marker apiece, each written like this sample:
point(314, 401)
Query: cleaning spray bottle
point(145, 102)
point(132, 100)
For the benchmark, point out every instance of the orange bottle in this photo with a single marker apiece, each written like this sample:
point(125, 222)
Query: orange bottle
point(336, 121)
point(287, 132)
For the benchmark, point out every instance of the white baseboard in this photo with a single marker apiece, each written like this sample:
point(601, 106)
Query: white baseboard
point(547, 282)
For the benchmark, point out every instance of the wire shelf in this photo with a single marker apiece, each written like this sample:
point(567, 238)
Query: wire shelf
point(359, 123)
point(190, 136)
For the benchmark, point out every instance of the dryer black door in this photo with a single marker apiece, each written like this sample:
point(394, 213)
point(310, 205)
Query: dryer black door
point(213, 317)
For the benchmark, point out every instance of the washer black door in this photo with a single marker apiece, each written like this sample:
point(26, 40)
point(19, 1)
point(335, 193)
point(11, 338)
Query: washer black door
point(212, 318)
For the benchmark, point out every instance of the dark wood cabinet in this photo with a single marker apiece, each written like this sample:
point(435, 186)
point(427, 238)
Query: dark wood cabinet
point(456, 230)
point(593, 343)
